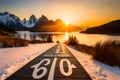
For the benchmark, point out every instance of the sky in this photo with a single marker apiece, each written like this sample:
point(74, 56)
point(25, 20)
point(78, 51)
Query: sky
point(77, 12)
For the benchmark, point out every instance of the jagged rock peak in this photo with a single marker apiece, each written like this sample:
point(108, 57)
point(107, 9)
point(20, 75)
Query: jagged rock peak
point(32, 19)
point(6, 12)
point(8, 17)
point(24, 20)
point(43, 19)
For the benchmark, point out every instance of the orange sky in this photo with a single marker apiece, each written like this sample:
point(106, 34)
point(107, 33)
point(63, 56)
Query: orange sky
point(77, 12)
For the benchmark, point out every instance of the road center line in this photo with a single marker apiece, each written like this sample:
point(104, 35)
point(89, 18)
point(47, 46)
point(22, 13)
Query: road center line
point(52, 70)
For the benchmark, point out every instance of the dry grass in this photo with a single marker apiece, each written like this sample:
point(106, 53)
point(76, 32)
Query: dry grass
point(107, 52)
point(7, 41)
point(84, 48)
point(72, 41)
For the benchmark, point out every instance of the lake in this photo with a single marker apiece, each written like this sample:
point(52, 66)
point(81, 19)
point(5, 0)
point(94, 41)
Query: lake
point(89, 39)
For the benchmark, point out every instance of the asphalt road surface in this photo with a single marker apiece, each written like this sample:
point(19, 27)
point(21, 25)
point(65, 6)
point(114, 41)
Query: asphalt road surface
point(57, 63)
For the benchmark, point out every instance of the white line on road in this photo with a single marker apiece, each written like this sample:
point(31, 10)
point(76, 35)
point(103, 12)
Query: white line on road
point(52, 70)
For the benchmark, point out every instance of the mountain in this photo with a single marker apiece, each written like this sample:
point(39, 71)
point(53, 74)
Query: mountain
point(112, 27)
point(12, 21)
point(5, 31)
point(43, 20)
point(46, 25)
point(29, 23)
point(32, 19)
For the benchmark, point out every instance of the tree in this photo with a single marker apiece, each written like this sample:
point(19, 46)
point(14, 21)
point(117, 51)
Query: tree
point(49, 39)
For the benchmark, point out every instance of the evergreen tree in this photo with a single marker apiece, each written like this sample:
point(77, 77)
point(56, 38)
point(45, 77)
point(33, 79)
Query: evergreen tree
point(49, 39)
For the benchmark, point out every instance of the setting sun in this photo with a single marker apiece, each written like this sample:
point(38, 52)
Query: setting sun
point(67, 22)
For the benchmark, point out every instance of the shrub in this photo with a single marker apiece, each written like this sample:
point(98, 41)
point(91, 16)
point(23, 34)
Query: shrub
point(57, 41)
point(72, 41)
point(107, 52)
point(49, 39)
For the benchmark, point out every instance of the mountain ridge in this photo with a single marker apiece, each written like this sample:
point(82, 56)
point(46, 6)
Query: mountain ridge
point(54, 26)
point(112, 27)
point(34, 24)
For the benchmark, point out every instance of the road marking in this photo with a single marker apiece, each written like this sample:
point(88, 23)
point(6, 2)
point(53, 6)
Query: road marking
point(52, 70)
point(58, 50)
point(37, 69)
point(70, 67)
point(57, 55)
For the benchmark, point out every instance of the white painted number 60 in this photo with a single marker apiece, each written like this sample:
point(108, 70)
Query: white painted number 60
point(37, 68)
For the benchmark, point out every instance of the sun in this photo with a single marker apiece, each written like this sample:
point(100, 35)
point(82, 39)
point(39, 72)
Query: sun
point(67, 22)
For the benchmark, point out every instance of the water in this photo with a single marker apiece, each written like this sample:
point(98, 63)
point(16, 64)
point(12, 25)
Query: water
point(89, 39)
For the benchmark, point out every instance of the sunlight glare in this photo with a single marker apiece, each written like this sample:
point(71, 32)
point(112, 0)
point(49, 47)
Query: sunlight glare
point(66, 36)
point(67, 22)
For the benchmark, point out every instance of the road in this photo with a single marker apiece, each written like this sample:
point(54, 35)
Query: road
point(57, 63)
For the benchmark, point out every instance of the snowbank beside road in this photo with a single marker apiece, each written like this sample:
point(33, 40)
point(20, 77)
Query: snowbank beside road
point(96, 69)
point(11, 59)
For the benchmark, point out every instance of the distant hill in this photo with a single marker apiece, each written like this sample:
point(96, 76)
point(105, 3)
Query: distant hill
point(53, 26)
point(112, 27)
point(4, 30)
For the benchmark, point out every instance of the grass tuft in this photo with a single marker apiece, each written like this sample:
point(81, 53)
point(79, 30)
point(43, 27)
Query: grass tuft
point(72, 41)
point(107, 52)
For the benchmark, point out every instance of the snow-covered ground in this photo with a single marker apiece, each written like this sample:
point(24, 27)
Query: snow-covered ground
point(97, 70)
point(12, 59)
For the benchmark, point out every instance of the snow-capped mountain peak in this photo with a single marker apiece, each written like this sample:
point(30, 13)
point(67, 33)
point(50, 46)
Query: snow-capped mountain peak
point(11, 21)
point(14, 22)
point(32, 19)
point(6, 18)
point(29, 23)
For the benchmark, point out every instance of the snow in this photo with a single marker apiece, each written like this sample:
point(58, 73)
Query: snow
point(5, 18)
point(27, 24)
point(12, 59)
point(96, 69)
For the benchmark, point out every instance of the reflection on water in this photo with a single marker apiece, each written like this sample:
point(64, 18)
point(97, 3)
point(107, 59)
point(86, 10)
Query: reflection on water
point(66, 36)
point(89, 39)
point(61, 37)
